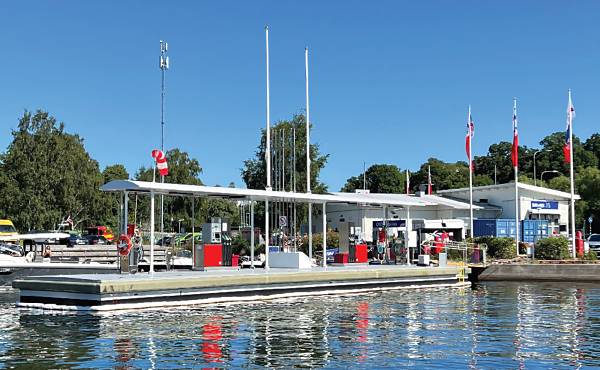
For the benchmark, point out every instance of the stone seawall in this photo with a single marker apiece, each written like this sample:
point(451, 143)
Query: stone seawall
point(537, 272)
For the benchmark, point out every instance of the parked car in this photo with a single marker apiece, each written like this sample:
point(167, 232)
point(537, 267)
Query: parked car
point(96, 240)
point(74, 240)
point(594, 242)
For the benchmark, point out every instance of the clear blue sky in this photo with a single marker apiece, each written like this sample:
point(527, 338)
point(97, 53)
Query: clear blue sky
point(390, 80)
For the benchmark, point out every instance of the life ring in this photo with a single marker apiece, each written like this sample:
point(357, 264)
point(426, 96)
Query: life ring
point(124, 245)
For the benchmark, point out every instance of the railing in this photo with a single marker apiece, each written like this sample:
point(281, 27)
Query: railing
point(465, 253)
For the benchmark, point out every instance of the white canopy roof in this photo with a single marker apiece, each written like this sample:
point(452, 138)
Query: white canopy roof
point(399, 200)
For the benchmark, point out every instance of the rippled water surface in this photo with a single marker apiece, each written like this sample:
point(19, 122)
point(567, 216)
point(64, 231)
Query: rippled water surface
point(492, 326)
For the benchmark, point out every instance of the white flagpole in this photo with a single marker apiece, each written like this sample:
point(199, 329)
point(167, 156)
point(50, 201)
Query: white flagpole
point(407, 183)
point(470, 172)
point(267, 153)
point(572, 176)
point(516, 180)
point(308, 190)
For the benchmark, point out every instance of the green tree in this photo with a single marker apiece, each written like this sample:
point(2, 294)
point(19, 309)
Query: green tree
point(588, 187)
point(254, 171)
point(110, 216)
point(182, 170)
point(380, 178)
point(444, 175)
point(592, 144)
point(48, 175)
point(553, 158)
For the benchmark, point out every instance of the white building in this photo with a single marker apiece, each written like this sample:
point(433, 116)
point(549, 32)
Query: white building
point(432, 212)
point(535, 202)
point(450, 209)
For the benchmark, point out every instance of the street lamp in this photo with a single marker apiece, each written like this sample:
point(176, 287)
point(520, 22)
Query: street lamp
point(534, 167)
point(551, 171)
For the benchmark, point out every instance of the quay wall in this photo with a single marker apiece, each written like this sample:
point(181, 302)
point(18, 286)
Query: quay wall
point(538, 272)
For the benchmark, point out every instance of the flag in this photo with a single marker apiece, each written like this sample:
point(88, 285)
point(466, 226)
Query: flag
point(429, 185)
point(161, 162)
point(69, 220)
point(515, 145)
point(567, 146)
point(469, 138)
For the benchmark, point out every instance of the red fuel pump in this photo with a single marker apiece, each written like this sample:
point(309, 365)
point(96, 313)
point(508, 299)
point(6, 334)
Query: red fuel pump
point(579, 247)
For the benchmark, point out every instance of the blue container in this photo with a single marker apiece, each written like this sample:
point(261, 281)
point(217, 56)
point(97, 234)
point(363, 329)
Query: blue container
point(501, 227)
point(534, 230)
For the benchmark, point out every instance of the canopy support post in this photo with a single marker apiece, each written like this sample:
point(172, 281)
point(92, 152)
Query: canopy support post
point(151, 232)
point(252, 234)
point(324, 235)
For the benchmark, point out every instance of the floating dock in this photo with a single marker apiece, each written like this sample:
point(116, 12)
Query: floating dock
point(12, 271)
point(119, 291)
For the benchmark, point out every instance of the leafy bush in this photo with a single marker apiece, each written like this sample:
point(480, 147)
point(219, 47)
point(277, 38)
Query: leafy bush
point(555, 248)
point(240, 246)
point(590, 256)
point(501, 248)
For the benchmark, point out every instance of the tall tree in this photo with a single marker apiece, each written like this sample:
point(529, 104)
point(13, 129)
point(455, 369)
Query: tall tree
point(254, 171)
point(48, 175)
point(110, 216)
point(183, 170)
point(380, 178)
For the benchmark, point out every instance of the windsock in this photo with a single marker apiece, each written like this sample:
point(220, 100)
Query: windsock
point(161, 162)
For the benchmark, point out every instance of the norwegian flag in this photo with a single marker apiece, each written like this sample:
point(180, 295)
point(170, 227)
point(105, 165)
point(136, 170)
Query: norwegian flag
point(429, 184)
point(469, 138)
point(515, 147)
point(161, 162)
point(567, 146)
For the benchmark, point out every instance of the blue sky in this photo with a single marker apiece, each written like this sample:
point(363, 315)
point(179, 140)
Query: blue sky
point(390, 80)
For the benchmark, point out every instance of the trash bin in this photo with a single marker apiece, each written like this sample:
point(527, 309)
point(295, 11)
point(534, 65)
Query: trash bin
point(235, 260)
point(443, 259)
point(198, 257)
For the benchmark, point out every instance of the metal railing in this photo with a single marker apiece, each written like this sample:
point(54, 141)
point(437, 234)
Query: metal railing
point(464, 253)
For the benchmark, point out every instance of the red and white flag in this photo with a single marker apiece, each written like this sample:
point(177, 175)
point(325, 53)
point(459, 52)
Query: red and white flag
point(429, 184)
point(161, 162)
point(515, 146)
point(567, 146)
point(469, 138)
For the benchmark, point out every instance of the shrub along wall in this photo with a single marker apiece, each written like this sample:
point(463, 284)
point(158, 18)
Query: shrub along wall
point(500, 248)
point(555, 248)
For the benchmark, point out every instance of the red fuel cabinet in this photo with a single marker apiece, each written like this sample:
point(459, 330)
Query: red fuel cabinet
point(361, 253)
point(213, 255)
point(340, 258)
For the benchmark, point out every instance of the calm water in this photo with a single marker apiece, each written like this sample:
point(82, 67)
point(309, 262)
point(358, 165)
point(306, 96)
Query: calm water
point(493, 326)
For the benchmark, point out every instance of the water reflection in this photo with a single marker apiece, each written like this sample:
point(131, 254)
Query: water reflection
point(494, 325)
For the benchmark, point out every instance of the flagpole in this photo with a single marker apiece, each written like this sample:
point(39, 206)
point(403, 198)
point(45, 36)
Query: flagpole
point(407, 183)
point(470, 172)
point(308, 189)
point(429, 185)
point(267, 153)
point(572, 176)
point(516, 166)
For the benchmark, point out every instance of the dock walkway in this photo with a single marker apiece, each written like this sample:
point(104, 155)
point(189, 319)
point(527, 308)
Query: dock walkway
point(115, 291)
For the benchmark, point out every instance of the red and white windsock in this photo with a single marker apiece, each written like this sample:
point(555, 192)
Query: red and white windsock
point(161, 162)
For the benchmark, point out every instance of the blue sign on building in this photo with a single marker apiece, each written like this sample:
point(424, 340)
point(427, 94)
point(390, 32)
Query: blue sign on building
point(390, 223)
point(544, 204)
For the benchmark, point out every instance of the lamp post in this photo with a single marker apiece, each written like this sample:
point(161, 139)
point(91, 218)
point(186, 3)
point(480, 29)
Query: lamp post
point(551, 171)
point(534, 166)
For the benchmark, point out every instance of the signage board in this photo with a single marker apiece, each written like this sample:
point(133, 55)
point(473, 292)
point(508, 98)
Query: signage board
point(544, 204)
point(390, 223)
point(282, 221)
